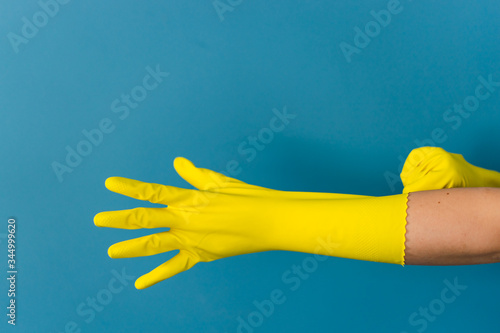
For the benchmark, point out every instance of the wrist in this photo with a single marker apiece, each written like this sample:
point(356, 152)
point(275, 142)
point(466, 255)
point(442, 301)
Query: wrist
point(485, 178)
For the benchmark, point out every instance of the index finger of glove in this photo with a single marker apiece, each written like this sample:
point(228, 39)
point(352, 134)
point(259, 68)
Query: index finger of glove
point(155, 193)
point(138, 218)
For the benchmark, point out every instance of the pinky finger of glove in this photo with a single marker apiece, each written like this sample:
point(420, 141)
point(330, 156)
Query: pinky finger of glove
point(181, 262)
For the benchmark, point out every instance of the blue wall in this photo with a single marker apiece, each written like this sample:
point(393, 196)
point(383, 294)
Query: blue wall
point(359, 105)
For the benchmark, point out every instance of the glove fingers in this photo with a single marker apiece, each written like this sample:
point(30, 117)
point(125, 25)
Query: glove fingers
point(178, 264)
point(139, 218)
point(202, 179)
point(145, 246)
point(417, 160)
point(155, 193)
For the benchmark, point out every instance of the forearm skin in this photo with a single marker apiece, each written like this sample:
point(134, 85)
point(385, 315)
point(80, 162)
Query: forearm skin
point(457, 226)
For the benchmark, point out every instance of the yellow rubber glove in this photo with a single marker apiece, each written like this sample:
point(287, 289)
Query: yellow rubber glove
point(433, 168)
point(227, 217)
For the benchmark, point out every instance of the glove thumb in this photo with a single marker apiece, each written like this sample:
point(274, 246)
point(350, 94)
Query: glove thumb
point(202, 179)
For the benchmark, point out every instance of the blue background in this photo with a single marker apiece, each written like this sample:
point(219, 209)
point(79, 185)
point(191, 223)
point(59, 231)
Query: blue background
point(355, 123)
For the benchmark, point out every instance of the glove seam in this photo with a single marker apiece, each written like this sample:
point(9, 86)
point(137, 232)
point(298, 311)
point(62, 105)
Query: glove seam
point(404, 228)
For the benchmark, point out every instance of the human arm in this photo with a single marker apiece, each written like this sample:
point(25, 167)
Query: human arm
point(455, 226)
point(227, 217)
